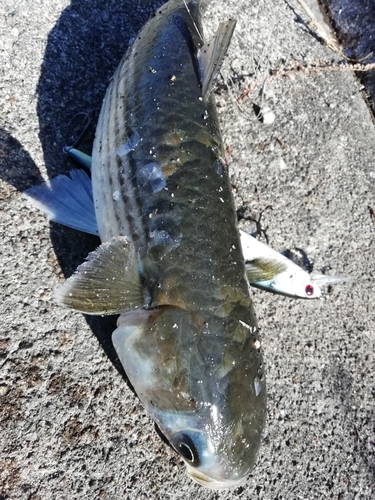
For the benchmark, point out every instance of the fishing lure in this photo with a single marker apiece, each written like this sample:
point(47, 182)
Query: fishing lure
point(269, 270)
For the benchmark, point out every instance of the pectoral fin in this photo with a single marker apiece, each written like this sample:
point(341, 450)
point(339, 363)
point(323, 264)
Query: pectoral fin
point(212, 54)
point(107, 283)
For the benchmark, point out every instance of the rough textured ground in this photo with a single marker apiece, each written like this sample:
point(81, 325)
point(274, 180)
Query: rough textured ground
point(71, 428)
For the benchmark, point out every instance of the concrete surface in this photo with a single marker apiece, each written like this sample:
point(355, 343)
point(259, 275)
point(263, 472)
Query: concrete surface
point(71, 428)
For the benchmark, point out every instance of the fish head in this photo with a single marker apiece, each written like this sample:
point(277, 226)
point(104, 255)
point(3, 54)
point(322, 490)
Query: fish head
point(200, 377)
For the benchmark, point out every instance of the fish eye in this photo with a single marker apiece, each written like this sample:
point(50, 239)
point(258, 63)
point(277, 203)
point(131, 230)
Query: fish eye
point(185, 446)
point(309, 290)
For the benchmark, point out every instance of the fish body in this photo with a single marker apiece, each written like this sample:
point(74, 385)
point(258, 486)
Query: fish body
point(171, 262)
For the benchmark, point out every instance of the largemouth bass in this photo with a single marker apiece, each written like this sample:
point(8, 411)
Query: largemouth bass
point(171, 262)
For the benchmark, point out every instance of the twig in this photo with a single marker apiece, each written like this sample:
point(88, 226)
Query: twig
point(315, 26)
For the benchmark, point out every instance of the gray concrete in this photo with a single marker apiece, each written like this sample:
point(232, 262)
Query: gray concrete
point(71, 428)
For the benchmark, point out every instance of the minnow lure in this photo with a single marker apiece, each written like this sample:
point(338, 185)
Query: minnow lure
point(270, 270)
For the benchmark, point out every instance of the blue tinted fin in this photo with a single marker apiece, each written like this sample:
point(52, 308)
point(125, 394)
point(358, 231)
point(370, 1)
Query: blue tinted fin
point(81, 158)
point(67, 200)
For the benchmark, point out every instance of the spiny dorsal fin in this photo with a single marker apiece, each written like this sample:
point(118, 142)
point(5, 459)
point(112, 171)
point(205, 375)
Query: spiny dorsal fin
point(212, 54)
point(107, 283)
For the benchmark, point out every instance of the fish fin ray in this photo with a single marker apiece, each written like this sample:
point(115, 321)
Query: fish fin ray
point(67, 200)
point(108, 282)
point(212, 54)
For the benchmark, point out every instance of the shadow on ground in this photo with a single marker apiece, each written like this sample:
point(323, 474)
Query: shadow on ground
point(82, 53)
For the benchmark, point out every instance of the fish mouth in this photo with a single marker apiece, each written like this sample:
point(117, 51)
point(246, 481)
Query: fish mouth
point(209, 482)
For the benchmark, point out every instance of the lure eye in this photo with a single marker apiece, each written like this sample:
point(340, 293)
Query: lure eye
point(309, 290)
point(186, 448)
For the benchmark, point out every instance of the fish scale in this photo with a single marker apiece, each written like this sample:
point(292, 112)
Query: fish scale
point(147, 102)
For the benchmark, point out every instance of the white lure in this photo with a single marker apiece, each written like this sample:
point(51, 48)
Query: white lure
point(270, 270)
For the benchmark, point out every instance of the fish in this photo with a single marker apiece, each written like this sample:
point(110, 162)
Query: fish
point(171, 262)
point(187, 334)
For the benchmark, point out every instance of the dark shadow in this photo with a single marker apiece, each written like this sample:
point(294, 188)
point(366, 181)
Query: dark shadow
point(83, 51)
point(16, 166)
point(353, 23)
point(299, 257)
